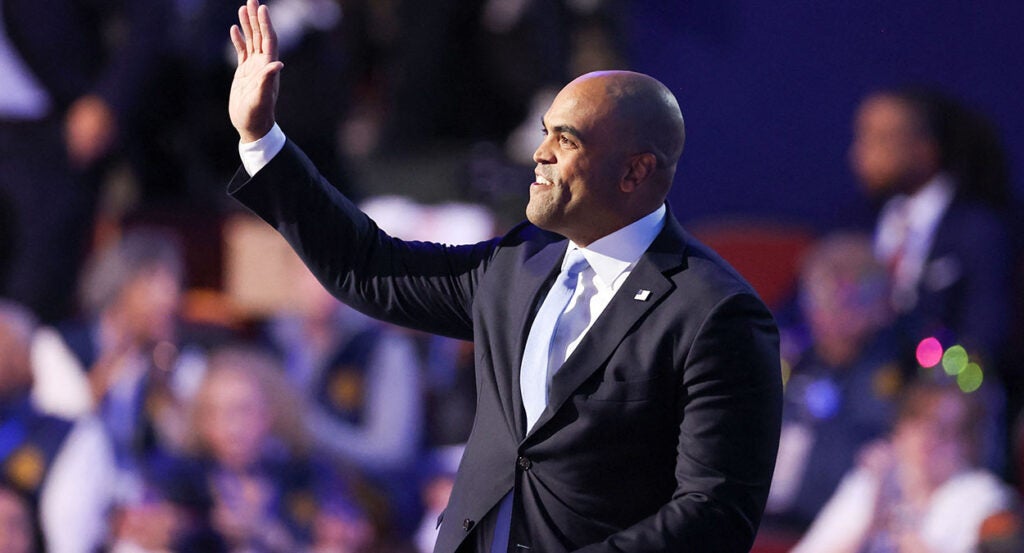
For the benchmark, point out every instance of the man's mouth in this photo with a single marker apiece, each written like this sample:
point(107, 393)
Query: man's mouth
point(541, 180)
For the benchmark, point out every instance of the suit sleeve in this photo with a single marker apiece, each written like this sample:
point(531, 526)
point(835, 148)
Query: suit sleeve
point(729, 413)
point(987, 274)
point(420, 285)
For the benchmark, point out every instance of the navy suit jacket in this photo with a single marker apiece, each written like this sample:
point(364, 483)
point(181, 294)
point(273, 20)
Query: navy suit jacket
point(661, 428)
point(967, 278)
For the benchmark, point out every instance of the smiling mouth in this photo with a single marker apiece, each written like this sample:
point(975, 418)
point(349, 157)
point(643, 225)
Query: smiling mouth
point(541, 181)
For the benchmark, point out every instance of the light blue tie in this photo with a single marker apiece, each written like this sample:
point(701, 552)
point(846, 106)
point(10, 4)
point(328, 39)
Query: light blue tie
point(536, 368)
point(534, 374)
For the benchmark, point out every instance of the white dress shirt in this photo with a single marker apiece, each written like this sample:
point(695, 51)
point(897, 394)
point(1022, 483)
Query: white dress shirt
point(610, 261)
point(256, 155)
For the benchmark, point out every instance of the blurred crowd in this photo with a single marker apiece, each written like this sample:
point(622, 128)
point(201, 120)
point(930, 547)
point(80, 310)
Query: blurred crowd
point(169, 383)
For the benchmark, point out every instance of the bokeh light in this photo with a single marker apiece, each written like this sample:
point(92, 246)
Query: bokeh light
point(954, 361)
point(929, 352)
point(822, 398)
point(970, 378)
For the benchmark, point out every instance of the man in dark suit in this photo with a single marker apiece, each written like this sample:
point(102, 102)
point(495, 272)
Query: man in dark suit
point(650, 422)
point(940, 175)
point(73, 71)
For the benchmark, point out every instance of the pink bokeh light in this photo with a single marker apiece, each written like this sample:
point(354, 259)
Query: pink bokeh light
point(929, 352)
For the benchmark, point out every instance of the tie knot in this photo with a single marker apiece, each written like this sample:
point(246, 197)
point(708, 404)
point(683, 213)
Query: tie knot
point(574, 263)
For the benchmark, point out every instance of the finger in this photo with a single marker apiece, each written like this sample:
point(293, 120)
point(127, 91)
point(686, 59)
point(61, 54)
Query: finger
point(243, 20)
point(257, 36)
point(267, 30)
point(238, 41)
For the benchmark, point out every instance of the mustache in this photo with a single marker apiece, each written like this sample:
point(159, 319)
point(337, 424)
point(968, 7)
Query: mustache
point(547, 175)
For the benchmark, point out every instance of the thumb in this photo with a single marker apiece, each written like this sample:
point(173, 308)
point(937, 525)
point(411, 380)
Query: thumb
point(271, 69)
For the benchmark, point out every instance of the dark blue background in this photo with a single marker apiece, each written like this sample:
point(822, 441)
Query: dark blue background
point(768, 90)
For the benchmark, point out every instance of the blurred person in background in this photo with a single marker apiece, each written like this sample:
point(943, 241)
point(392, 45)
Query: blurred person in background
point(73, 72)
point(462, 71)
point(343, 526)
point(919, 491)
point(448, 383)
point(60, 472)
point(844, 380)
point(182, 153)
point(940, 175)
point(124, 360)
point(250, 484)
point(360, 380)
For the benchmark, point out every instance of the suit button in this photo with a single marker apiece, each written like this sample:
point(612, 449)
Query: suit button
point(468, 524)
point(524, 463)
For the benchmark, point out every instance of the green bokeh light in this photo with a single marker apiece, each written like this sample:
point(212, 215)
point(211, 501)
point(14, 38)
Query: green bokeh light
point(970, 378)
point(954, 361)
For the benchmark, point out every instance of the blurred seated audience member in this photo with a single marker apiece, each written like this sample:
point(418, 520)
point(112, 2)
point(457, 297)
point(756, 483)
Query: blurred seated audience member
point(940, 175)
point(360, 376)
point(62, 471)
point(449, 382)
point(250, 484)
point(124, 360)
point(844, 380)
point(380, 393)
point(17, 530)
point(342, 526)
point(919, 491)
point(360, 380)
point(73, 74)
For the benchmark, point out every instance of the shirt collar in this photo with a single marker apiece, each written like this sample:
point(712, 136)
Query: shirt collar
point(612, 255)
point(926, 206)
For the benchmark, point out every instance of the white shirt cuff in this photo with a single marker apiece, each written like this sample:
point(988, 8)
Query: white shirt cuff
point(256, 155)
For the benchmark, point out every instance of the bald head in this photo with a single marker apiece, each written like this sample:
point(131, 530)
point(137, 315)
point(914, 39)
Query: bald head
point(647, 111)
point(611, 143)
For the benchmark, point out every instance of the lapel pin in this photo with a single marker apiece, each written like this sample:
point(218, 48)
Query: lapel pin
point(642, 295)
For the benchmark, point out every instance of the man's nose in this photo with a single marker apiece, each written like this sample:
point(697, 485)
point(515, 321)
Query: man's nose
point(543, 153)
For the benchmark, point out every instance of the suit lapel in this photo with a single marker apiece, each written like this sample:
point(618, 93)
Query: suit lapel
point(627, 307)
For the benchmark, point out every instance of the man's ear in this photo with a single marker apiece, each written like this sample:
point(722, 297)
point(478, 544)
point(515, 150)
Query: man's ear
point(639, 168)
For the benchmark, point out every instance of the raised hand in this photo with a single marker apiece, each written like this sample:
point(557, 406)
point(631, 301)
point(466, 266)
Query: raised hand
point(254, 88)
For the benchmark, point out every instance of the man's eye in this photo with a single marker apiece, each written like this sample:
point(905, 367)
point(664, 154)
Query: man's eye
point(564, 140)
point(543, 131)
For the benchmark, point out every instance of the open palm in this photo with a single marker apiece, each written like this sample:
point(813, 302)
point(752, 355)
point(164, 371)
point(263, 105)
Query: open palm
point(254, 88)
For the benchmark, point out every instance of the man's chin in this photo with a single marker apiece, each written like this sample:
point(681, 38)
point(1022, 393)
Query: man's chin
point(538, 218)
